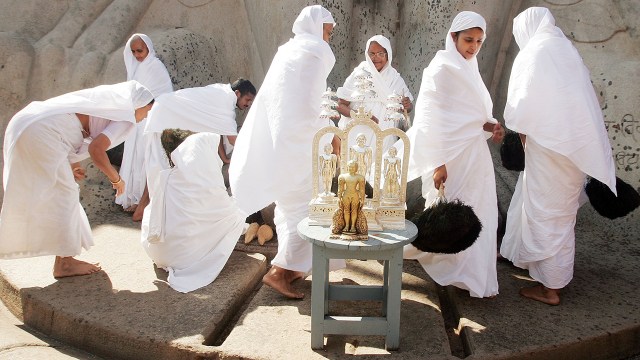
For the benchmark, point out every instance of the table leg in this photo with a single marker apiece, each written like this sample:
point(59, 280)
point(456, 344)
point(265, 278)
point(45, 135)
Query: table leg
point(393, 301)
point(385, 286)
point(320, 279)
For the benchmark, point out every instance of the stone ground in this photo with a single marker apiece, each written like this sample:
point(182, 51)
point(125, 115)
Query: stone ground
point(128, 311)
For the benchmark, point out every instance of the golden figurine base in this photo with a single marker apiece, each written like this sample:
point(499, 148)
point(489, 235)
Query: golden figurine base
point(350, 237)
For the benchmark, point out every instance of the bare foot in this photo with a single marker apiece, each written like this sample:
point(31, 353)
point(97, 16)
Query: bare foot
point(542, 294)
point(294, 275)
point(277, 278)
point(68, 266)
point(144, 201)
point(131, 208)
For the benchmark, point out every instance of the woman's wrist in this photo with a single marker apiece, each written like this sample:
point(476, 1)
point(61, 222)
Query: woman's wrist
point(118, 181)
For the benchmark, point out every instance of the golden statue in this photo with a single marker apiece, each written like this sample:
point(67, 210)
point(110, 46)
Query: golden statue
point(349, 219)
point(362, 154)
point(391, 186)
point(327, 163)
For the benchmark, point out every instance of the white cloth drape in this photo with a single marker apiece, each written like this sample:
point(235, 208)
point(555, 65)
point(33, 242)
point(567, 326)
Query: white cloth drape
point(551, 101)
point(196, 223)
point(41, 213)
point(452, 107)
point(385, 82)
point(151, 73)
point(203, 109)
point(551, 97)
point(272, 155)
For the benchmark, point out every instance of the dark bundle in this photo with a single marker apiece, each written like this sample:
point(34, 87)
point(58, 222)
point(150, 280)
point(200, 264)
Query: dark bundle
point(512, 152)
point(171, 139)
point(446, 227)
point(606, 203)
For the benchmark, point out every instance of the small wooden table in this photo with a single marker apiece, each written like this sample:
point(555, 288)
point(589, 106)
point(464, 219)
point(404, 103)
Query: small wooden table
point(385, 245)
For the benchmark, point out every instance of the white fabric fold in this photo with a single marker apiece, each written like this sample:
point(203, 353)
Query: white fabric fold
point(551, 97)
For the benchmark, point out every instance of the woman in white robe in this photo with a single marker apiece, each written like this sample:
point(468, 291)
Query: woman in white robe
point(386, 81)
point(142, 65)
point(552, 104)
point(449, 143)
point(41, 212)
point(272, 155)
point(191, 225)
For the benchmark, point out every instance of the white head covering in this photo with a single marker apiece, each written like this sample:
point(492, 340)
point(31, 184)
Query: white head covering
point(463, 21)
point(452, 106)
point(150, 72)
point(311, 19)
point(551, 97)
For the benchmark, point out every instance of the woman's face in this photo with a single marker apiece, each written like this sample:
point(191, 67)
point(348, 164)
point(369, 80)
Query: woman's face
point(139, 49)
point(468, 42)
point(327, 30)
point(378, 55)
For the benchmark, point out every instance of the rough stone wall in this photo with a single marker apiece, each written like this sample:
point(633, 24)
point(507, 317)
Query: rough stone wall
point(49, 47)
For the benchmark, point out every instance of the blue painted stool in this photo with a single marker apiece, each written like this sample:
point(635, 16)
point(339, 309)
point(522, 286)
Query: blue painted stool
point(383, 245)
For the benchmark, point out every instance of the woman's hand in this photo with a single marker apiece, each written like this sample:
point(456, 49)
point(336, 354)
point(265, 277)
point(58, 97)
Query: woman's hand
point(118, 186)
point(498, 133)
point(439, 176)
point(406, 103)
point(78, 171)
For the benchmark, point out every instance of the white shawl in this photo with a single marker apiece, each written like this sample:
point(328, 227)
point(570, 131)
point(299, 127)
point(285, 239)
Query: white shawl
point(385, 81)
point(551, 97)
point(202, 109)
point(272, 154)
point(192, 225)
point(151, 72)
point(116, 102)
point(452, 106)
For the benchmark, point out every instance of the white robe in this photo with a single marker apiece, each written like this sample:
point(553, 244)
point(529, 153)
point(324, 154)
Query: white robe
point(551, 101)
point(272, 155)
point(192, 225)
point(452, 107)
point(41, 212)
point(151, 73)
point(385, 83)
point(202, 109)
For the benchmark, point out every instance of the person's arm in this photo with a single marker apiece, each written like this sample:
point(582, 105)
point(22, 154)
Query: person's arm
point(221, 152)
point(98, 152)
point(231, 138)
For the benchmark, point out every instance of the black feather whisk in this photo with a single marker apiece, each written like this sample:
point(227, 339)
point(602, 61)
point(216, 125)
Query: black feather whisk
point(446, 227)
point(606, 203)
point(512, 152)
